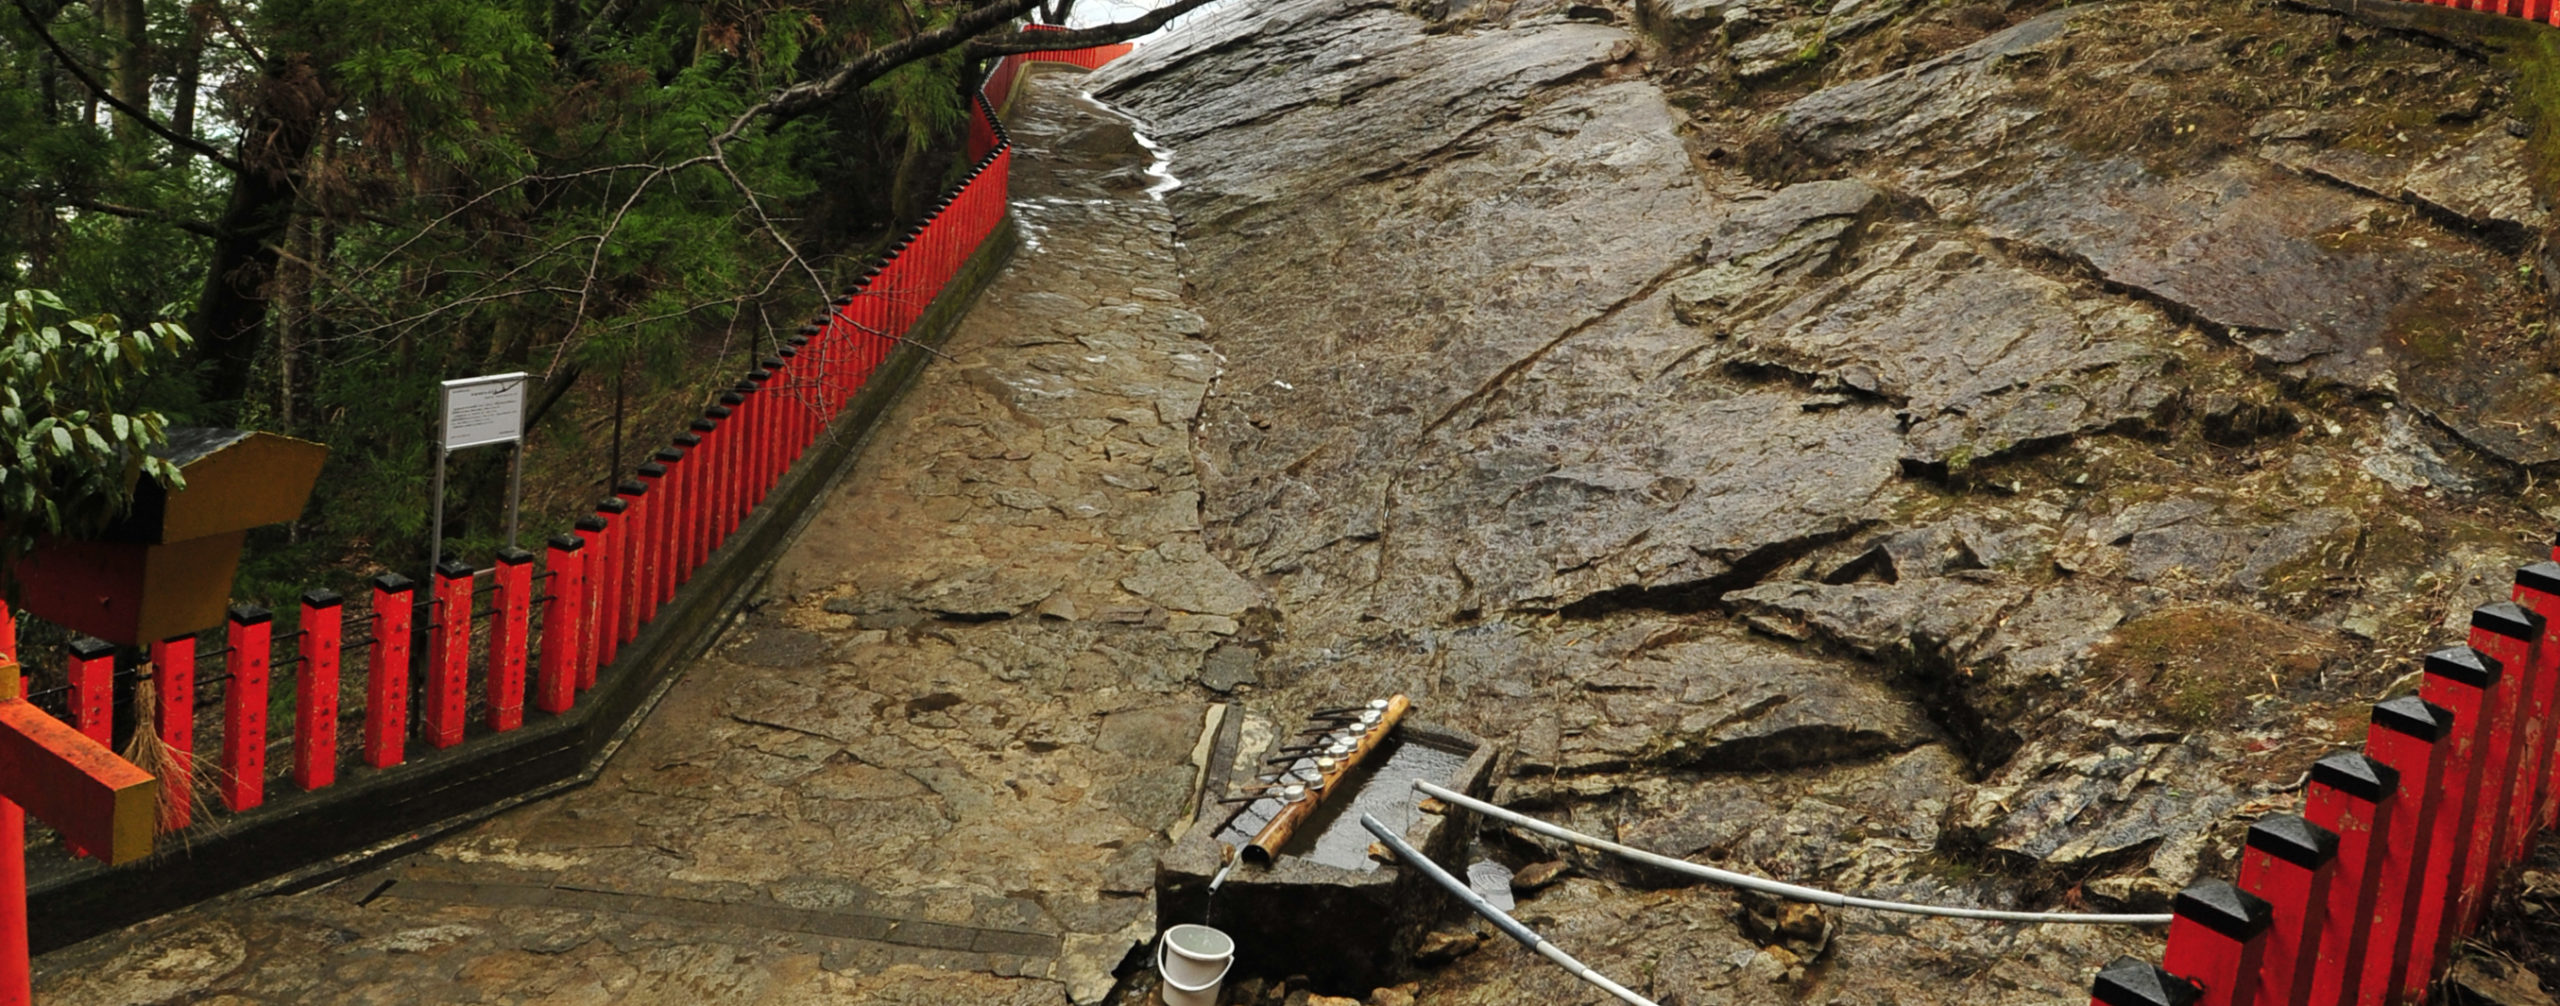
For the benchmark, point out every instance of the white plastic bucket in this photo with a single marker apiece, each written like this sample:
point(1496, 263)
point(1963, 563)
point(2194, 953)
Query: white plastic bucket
point(1193, 961)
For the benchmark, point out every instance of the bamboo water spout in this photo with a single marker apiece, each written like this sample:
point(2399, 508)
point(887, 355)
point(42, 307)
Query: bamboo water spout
point(1312, 777)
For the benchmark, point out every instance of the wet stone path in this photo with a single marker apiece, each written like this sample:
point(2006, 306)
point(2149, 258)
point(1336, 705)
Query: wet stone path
point(936, 767)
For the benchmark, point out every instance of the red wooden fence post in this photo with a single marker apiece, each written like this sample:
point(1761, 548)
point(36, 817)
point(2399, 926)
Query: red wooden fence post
point(563, 626)
point(2350, 795)
point(770, 406)
point(386, 673)
point(8, 637)
point(244, 707)
point(315, 691)
point(631, 550)
point(592, 571)
point(173, 672)
point(2506, 631)
point(2458, 679)
point(734, 448)
point(2132, 981)
point(700, 472)
point(448, 656)
point(666, 497)
point(2538, 588)
point(2288, 862)
point(719, 452)
point(795, 415)
point(2412, 736)
point(661, 511)
point(2217, 933)
point(609, 571)
point(510, 635)
point(92, 672)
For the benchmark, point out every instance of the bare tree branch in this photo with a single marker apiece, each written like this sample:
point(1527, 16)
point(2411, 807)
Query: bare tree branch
point(196, 227)
point(100, 92)
point(1036, 41)
point(871, 65)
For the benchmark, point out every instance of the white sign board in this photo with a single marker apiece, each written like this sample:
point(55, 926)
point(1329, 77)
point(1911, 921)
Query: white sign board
point(483, 410)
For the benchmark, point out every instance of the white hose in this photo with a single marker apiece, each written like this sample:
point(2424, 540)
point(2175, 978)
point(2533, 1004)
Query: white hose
point(1791, 892)
point(1526, 936)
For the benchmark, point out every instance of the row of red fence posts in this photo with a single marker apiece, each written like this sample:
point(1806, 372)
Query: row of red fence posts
point(2530, 10)
point(2363, 897)
point(547, 633)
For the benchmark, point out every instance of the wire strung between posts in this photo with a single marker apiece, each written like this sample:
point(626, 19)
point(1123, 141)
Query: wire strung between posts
point(1791, 892)
point(1528, 937)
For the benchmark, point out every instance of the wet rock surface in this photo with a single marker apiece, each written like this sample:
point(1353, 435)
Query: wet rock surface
point(1959, 453)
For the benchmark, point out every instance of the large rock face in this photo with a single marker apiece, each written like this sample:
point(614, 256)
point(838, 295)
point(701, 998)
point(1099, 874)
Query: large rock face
point(1983, 488)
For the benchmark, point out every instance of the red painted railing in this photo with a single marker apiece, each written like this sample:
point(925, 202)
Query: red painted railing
point(549, 632)
point(2531, 10)
point(2363, 897)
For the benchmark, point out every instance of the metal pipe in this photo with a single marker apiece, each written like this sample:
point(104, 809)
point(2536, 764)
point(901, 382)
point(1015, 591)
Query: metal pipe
point(1791, 892)
point(1510, 926)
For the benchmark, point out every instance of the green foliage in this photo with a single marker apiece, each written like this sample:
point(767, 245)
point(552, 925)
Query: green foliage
point(73, 441)
point(479, 196)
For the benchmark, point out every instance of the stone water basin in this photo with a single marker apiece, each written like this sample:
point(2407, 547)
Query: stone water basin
point(1326, 909)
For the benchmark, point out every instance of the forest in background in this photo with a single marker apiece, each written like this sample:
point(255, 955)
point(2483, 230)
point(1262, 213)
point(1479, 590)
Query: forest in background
point(345, 201)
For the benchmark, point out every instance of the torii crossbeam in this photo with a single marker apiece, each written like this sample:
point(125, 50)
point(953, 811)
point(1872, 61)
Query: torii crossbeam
point(99, 802)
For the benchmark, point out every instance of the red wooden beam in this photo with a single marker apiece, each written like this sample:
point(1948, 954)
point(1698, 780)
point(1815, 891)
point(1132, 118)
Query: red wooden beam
point(173, 671)
point(2290, 862)
point(448, 657)
point(2409, 735)
point(563, 626)
point(2459, 679)
point(72, 783)
point(2538, 588)
point(92, 673)
point(2350, 795)
point(2217, 935)
point(244, 707)
point(315, 690)
point(386, 709)
point(509, 638)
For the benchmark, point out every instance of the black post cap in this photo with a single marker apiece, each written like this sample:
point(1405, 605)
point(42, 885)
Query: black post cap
point(812, 329)
point(589, 524)
point(668, 455)
point(392, 583)
point(92, 647)
point(569, 542)
point(696, 428)
point(632, 487)
point(250, 614)
point(514, 556)
point(2353, 774)
point(717, 413)
point(874, 273)
point(2292, 838)
point(455, 569)
point(2132, 981)
point(769, 363)
point(761, 376)
point(653, 470)
point(2542, 576)
point(686, 442)
point(787, 352)
point(613, 507)
point(322, 598)
point(2508, 619)
point(740, 389)
point(844, 301)
point(2465, 665)
point(798, 341)
point(2224, 908)
point(731, 400)
point(2414, 717)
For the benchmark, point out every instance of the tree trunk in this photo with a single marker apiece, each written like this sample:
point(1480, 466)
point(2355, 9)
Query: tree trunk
point(182, 117)
point(230, 318)
point(128, 62)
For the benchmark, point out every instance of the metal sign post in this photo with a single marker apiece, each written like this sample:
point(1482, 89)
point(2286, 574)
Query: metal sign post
point(477, 411)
